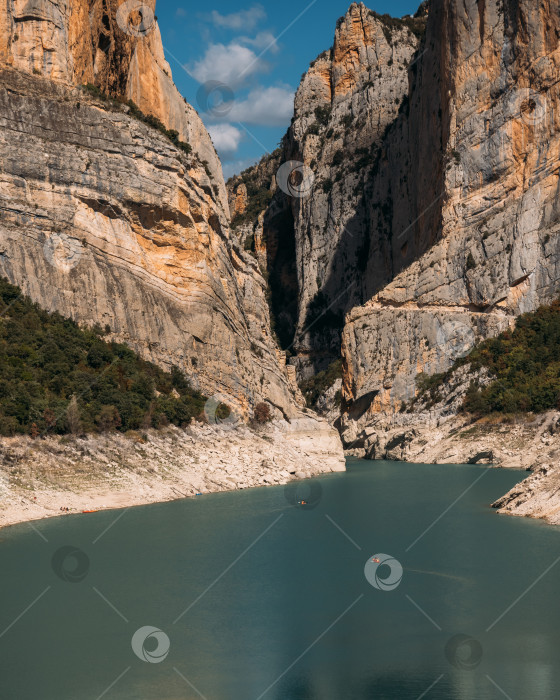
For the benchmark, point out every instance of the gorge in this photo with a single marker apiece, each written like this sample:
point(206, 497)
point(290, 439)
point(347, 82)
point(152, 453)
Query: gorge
point(426, 220)
point(258, 433)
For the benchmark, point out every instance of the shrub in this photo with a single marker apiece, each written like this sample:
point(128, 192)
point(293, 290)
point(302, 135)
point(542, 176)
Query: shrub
point(262, 413)
point(338, 158)
point(314, 387)
point(249, 244)
point(61, 378)
point(524, 364)
point(322, 115)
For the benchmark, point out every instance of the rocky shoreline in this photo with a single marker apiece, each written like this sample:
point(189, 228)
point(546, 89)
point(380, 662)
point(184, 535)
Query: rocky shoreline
point(536, 497)
point(530, 443)
point(38, 477)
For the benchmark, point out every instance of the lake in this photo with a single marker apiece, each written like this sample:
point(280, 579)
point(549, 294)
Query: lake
point(262, 594)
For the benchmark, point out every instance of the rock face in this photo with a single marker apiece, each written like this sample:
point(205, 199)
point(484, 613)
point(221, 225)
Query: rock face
point(107, 43)
point(343, 108)
point(104, 219)
point(536, 497)
point(344, 105)
point(432, 217)
point(490, 232)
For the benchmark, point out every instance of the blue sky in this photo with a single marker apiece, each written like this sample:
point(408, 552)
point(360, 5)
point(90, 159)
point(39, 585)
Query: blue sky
point(239, 63)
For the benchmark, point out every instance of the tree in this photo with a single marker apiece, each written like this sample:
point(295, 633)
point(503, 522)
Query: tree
point(49, 418)
point(73, 417)
point(108, 419)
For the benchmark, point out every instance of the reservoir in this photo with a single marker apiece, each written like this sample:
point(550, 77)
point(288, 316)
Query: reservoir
point(263, 595)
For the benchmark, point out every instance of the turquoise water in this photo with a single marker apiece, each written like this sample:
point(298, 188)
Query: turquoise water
point(277, 604)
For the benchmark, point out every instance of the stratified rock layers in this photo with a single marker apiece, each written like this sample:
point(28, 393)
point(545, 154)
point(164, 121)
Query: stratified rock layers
point(105, 220)
point(102, 42)
point(491, 228)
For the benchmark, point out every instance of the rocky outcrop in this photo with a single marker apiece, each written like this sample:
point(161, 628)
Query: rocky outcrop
point(108, 219)
point(432, 215)
point(117, 471)
point(320, 218)
point(536, 497)
point(489, 225)
point(105, 221)
point(343, 108)
point(108, 43)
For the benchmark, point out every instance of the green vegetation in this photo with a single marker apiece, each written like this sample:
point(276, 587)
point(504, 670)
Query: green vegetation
point(258, 181)
point(524, 365)
point(338, 158)
point(249, 243)
point(323, 115)
point(57, 377)
point(415, 25)
point(366, 157)
point(137, 113)
point(314, 387)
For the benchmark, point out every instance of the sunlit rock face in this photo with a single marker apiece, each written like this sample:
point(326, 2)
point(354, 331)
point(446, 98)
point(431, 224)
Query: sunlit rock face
point(318, 235)
point(432, 149)
point(488, 212)
point(108, 44)
point(105, 220)
point(343, 109)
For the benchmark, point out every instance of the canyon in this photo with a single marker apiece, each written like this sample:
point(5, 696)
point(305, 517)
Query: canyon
point(410, 212)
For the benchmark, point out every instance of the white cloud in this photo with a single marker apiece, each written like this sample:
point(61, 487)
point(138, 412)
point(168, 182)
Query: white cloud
point(226, 138)
point(271, 106)
point(231, 64)
point(263, 40)
point(180, 12)
point(244, 19)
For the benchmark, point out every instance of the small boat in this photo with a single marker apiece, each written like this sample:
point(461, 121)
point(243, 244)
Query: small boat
point(89, 511)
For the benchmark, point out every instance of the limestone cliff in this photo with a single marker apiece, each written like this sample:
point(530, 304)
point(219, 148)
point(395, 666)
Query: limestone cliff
point(108, 43)
point(109, 220)
point(429, 214)
point(344, 106)
point(486, 103)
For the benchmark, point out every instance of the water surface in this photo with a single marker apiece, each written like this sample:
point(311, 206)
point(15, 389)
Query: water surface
point(277, 604)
